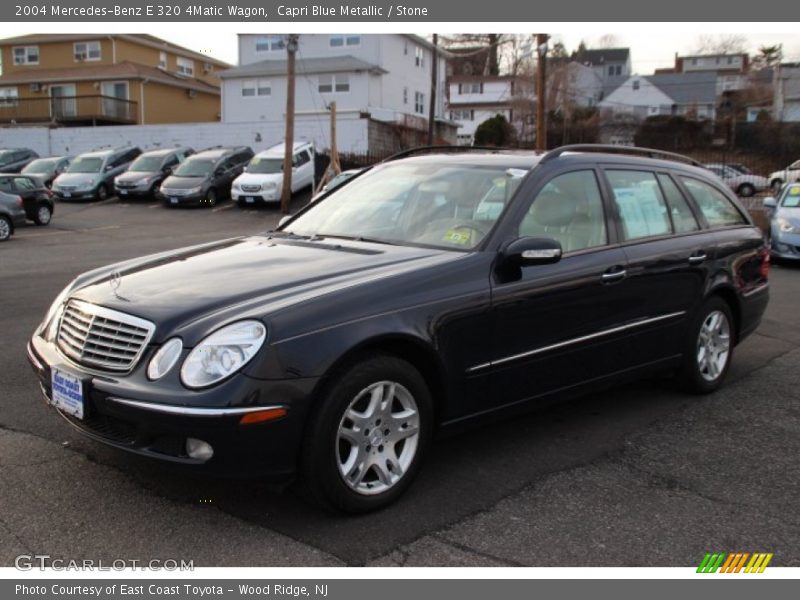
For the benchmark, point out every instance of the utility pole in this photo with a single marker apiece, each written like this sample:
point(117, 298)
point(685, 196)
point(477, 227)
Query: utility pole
point(286, 190)
point(434, 69)
point(334, 166)
point(541, 84)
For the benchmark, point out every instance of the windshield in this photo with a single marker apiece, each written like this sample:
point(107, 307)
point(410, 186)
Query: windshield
point(791, 199)
point(86, 164)
point(147, 163)
point(43, 165)
point(265, 165)
point(420, 203)
point(195, 168)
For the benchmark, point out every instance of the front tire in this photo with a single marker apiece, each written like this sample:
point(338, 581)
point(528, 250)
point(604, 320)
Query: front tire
point(746, 190)
point(211, 197)
point(102, 192)
point(364, 446)
point(708, 348)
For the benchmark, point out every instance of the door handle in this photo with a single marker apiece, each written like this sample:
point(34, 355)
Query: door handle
point(611, 276)
point(696, 259)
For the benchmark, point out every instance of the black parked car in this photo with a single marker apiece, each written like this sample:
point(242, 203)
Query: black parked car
point(148, 171)
point(47, 169)
point(427, 293)
point(205, 177)
point(37, 199)
point(13, 160)
point(12, 214)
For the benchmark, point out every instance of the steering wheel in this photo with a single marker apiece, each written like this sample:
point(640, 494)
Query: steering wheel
point(472, 227)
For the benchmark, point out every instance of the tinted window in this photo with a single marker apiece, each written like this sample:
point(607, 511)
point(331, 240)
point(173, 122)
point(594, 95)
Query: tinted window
point(640, 205)
point(300, 158)
point(718, 210)
point(24, 184)
point(569, 209)
point(242, 157)
point(683, 219)
point(5, 185)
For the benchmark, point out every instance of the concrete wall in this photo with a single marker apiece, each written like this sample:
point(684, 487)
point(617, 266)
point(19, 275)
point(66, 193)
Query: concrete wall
point(352, 135)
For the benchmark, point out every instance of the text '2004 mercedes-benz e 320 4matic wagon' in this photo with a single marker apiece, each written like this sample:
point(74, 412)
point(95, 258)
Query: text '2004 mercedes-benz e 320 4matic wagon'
point(431, 290)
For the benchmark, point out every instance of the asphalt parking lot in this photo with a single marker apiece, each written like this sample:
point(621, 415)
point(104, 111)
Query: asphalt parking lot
point(638, 476)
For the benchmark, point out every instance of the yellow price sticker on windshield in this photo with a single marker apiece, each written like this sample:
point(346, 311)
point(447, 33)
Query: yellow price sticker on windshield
point(457, 237)
point(794, 190)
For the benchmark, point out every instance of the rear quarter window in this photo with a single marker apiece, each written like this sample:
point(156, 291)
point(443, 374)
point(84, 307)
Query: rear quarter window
point(717, 208)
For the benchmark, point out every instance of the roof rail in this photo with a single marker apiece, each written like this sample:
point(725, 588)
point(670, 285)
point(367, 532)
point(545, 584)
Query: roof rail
point(445, 148)
point(608, 148)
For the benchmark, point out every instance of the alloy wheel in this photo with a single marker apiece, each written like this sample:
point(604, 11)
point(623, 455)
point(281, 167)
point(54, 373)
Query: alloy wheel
point(377, 438)
point(43, 215)
point(713, 345)
point(5, 230)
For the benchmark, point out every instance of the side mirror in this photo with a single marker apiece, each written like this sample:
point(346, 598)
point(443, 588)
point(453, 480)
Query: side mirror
point(770, 203)
point(167, 170)
point(527, 251)
point(219, 171)
point(108, 167)
point(284, 220)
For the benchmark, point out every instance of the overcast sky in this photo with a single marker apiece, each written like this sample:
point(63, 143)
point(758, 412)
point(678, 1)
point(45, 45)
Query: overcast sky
point(650, 49)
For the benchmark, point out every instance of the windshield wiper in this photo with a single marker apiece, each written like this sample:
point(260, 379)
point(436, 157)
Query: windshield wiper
point(355, 238)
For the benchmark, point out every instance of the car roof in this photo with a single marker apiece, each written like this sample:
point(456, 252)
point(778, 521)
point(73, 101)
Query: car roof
point(102, 153)
point(217, 152)
point(279, 149)
point(162, 151)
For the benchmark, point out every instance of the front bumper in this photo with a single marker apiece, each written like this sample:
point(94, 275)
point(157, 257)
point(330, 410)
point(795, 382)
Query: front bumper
point(75, 195)
point(132, 414)
point(196, 199)
point(785, 245)
point(139, 191)
point(261, 197)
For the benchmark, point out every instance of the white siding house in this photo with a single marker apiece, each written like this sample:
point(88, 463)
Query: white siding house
point(384, 78)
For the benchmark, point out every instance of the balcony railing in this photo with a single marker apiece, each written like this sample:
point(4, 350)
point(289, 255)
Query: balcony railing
point(90, 109)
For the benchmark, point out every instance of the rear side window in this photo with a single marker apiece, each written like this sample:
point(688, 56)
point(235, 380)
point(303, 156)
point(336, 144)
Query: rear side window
point(5, 185)
point(23, 183)
point(682, 217)
point(718, 210)
point(641, 206)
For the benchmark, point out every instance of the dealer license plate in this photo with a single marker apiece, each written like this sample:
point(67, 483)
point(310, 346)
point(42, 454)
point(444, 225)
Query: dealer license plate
point(67, 393)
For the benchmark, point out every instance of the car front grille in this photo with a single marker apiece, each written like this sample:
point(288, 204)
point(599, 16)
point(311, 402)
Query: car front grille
point(176, 191)
point(251, 188)
point(67, 188)
point(127, 184)
point(98, 337)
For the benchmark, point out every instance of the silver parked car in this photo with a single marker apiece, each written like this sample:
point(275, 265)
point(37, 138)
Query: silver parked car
point(785, 222)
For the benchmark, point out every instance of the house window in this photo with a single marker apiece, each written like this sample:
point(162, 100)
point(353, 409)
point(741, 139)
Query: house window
point(339, 83)
point(419, 57)
point(341, 40)
point(462, 115)
point(419, 103)
point(405, 48)
point(185, 66)
point(635, 84)
point(86, 51)
point(26, 55)
point(405, 95)
point(730, 60)
point(610, 69)
point(8, 96)
point(256, 87)
point(162, 60)
point(270, 43)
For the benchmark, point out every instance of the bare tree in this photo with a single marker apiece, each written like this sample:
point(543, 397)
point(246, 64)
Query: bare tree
point(608, 40)
point(731, 43)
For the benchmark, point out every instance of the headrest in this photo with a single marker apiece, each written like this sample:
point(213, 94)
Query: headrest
point(552, 209)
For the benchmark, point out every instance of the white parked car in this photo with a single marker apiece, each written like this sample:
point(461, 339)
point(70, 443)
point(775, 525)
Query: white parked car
point(262, 179)
point(790, 174)
point(744, 184)
point(336, 181)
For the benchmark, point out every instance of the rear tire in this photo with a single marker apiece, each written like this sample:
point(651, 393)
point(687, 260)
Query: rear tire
point(6, 228)
point(44, 214)
point(708, 349)
point(365, 444)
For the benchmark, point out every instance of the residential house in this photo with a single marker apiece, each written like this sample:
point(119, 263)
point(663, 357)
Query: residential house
point(731, 68)
point(383, 79)
point(610, 64)
point(692, 95)
point(102, 79)
point(782, 100)
point(472, 99)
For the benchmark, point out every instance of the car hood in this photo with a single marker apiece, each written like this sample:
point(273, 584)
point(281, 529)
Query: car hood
point(77, 178)
point(258, 178)
point(173, 181)
point(136, 175)
point(192, 291)
point(790, 214)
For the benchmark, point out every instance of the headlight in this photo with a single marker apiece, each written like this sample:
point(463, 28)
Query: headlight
point(50, 322)
point(222, 353)
point(195, 190)
point(164, 359)
point(786, 226)
point(270, 185)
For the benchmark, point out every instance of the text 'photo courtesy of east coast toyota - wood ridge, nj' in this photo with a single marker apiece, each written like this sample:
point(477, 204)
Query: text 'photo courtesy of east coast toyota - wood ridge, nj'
point(416, 295)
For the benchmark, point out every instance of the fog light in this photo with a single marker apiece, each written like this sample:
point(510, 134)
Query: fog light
point(198, 449)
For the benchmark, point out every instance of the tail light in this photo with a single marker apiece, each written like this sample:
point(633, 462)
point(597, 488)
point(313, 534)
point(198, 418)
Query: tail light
point(764, 269)
point(19, 200)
